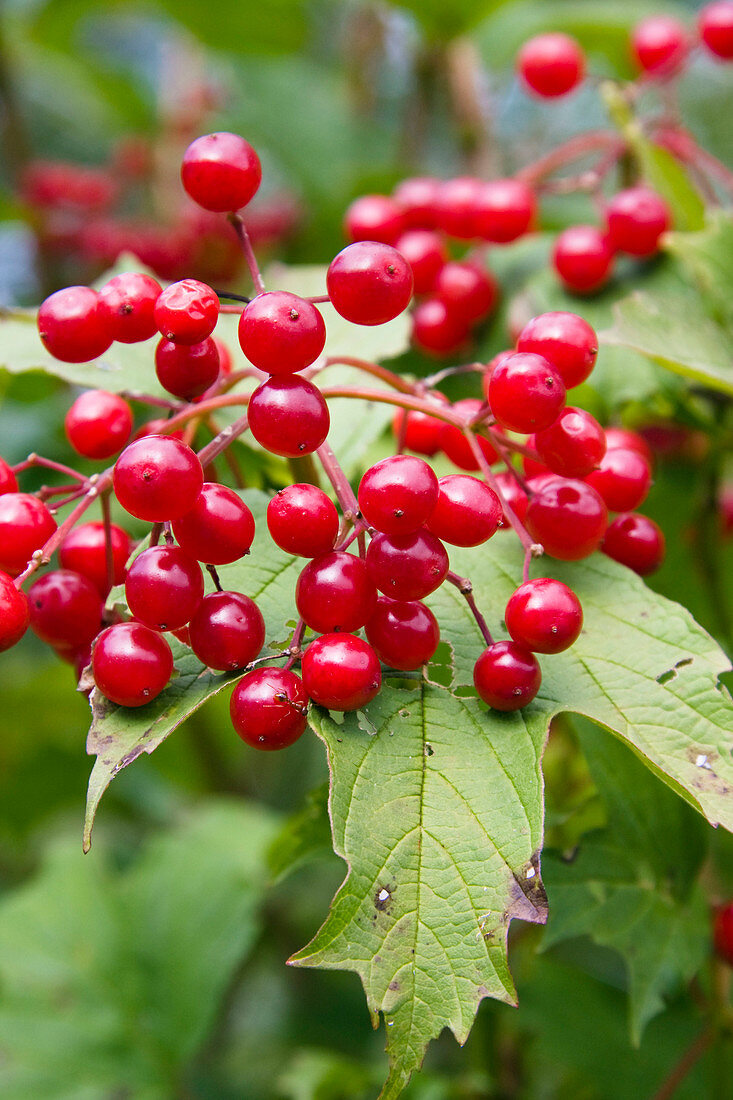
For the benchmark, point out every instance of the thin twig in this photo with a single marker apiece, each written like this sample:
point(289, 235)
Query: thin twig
point(465, 587)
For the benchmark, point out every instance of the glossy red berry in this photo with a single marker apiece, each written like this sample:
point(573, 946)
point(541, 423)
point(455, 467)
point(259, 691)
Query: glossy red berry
point(623, 479)
point(513, 494)
point(525, 392)
point(302, 520)
point(281, 333)
point(458, 205)
point(636, 220)
point(335, 592)
point(583, 258)
point(127, 303)
point(131, 664)
point(403, 634)
point(436, 330)
point(65, 608)
point(418, 197)
point(723, 926)
point(288, 416)
point(14, 613)
point(551, 65)
point(407, 567)
point(8, 480)
point(157, 478)
point(454, 443)
point(227, 631)
point(72, 326)
point(98, 424)
point(25, 525)
point(715, 24)
point(221, 172)
point(573, 445)
point(186, 312)
point(467, 511)
point(84, 551)
point(629, 441)
point(659, 45)
point(369, 283)
point(341, 672)
point(507, 676)
point(164, 587)
point(269, 708)
point(187, 370)
point(544, 616)
point(419, 431)
point(219, 529)
point(636, 541)
point(426, 254)
point(505, 210)
point(398, 494)
point(568, 518)
point(467, 289)
point(374, 218)
point(565, 340)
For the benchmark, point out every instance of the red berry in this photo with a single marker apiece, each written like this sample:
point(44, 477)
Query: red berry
point(226, 363)
point(544, 616)
point(421, 431)
point(164, 587)
point(573, 445)
point(513, 494)
point(458, 205)
point(186, 312)
point(227, 631)
point(341, 672)
point(436, 330)
point(566, 341)
point(127, 303)
point(281, 333)
point(221, 172)
point(723, 925)
point(467, 512)
point(404, 635)
point(288, 416)
point(426, 254)
point(568, 517)
point(219, 529)
point(398, 494)
point(374, 218)
point(72, 326)
point(454, 443)
point(369, 283)
point(530, 466)
point(467, 290)
point(25, 525)
point(623, 479)
point(335, 593)
point(507, 676)
point(84, 551)
point(715, 24)
point(636, 220)
point(131, 664)
point(551, 65)
point(419, 198)
point(187, 370)
point(302, 520)
point(525, 392)
point(659, 45)
point(629, 441)
point(8, 480)
point(505, 210)
point(269, 708)
point(407, 567)
point(14, 613)
point(636, 541)
point(65, 608)
point(98, 424)
point(583, 258)
point(157, 478)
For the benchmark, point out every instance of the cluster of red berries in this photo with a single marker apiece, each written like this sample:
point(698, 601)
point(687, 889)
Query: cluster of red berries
point(575, 474)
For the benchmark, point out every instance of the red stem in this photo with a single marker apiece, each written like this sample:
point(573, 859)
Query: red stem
point(220, 442)
point(48, 464)
point(375, 369)
point(577, 147)
point(464, 586)
point(249, 255)
point(337, 477)
point(523, 534)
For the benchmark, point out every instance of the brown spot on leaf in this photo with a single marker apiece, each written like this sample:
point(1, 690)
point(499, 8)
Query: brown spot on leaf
point(529, 900)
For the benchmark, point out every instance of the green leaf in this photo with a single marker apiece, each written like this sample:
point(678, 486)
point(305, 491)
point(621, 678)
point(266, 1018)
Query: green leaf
point(111, 981)
point(665, 174)
point(708, 257)
point(632, 886)
point(304, 836)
